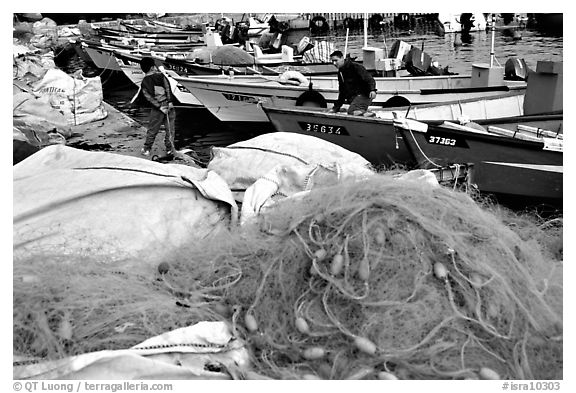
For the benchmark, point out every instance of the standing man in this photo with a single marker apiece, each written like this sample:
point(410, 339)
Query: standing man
point(156, 90)
point(356, 86)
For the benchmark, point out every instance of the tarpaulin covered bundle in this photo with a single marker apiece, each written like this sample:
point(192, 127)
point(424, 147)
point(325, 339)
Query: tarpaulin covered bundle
point(243, 163)
point(284, 181)
point(74, 202)
point(385, 278)
point(80, 99)
point(223, 55)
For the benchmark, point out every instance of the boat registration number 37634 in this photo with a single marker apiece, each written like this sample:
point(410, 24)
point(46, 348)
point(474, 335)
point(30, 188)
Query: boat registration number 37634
point(440, 140)
point(323, 128)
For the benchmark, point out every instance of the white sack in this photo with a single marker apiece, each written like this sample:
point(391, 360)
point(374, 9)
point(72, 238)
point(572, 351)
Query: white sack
point(80, 99)
point(35, 115)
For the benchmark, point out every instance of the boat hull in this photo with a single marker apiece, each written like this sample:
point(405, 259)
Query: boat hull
point(374, 139)
point(102, 59)
point(184, 67)
point(159, 37)
point(183, 96)
point(237, 98)
point(502, 165)
point(379, 142)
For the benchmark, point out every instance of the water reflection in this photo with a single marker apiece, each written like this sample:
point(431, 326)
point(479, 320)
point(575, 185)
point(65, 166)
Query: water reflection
point(467, 38)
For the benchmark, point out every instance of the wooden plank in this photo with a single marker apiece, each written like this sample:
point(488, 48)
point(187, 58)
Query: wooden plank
point(540, 132)
point(512, 134)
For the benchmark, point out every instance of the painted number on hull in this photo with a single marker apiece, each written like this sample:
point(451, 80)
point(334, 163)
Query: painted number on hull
point(441, 140)
point(323, 128)
point(241, 98)
point(448, 139)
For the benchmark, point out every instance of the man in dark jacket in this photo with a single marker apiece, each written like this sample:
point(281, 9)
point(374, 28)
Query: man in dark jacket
point(156, 90)
point(356, 86)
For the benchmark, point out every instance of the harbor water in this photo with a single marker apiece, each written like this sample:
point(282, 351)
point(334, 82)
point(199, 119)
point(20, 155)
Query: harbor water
point(198, 129)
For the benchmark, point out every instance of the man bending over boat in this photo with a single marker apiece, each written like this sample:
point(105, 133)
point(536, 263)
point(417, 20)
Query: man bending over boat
point(355, 85)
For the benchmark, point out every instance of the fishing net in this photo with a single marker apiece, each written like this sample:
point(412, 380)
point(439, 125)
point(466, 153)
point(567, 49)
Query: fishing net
point(223, 55)
point(63, 308)
point(352, 281)
point(386, 276)
point(544, 229)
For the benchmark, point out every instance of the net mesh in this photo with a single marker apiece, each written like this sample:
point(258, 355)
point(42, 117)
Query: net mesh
point(343, 282)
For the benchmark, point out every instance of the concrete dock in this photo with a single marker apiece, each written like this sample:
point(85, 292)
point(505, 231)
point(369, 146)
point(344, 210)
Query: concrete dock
point(121, 133)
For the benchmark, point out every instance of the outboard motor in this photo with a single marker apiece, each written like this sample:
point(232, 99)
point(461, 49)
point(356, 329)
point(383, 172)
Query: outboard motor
point(516, 69)
point(418, 62)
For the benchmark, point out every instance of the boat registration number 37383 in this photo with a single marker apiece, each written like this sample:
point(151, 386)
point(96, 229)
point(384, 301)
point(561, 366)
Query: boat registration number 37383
point(323, 128)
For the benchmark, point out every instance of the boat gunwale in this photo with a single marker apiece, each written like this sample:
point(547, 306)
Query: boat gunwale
point(487, 138)
point(225, 80)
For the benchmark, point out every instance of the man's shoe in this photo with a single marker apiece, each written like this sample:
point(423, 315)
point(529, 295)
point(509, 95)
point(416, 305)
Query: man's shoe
point(145, 152)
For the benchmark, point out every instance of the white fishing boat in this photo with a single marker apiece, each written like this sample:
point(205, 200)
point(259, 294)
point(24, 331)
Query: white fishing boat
point(104, 55)
point(237, 98)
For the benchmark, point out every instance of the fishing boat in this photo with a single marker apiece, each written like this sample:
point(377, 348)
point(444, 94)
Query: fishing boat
point(187, 67)
point(127, 61)
point(104, 55)
point(172, 26)
point(513, 142)
point(375, 137)
point(156, 26)
point(180, 60)
point(157, 38)
point(527, 148)
point(236, 99)
point(521, 157)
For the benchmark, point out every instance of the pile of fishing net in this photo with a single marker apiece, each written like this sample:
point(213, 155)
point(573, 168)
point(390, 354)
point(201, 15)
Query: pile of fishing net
point(374, 279)
point(65, 306)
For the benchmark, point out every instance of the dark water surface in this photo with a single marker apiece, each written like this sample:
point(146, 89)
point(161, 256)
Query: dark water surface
point(196, 128)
